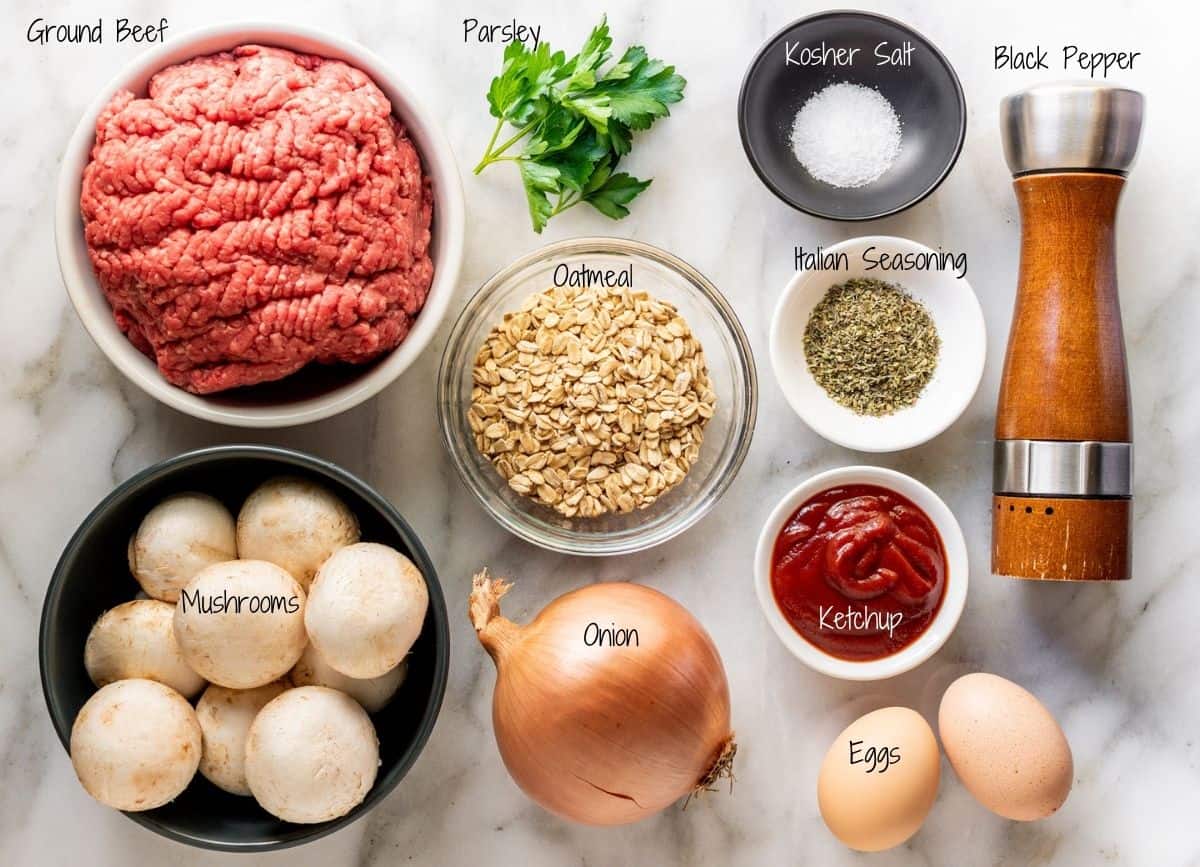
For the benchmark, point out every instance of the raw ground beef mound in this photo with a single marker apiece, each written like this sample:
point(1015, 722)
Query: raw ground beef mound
point(259, 211)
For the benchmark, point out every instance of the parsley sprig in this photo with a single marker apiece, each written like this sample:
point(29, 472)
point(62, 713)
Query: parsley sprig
point(575, 121)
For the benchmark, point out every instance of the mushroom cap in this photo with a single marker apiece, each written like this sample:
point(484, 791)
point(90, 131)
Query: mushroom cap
point(241, 624)
point(135, 744)
point(225, 716)
point(137, 640)
point(180, 536)
point(311, 755)
point(366, 608)
point(295, 524)
point(373, 693)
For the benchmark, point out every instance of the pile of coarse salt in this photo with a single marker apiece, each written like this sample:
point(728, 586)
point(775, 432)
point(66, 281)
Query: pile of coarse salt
point(846, 135)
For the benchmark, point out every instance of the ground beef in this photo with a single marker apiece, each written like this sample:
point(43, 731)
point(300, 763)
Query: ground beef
point(258, 211)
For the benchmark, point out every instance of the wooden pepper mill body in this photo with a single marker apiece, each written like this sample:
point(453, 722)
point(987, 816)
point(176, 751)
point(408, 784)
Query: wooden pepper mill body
point(1063, 483)
point(1064, 395)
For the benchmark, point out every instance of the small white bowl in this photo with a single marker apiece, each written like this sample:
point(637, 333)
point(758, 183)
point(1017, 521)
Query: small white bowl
point(959, 320)
point(287, 404)
point(944, 622)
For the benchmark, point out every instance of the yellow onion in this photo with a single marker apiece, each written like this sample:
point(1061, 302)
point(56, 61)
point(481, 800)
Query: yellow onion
point(604, 734)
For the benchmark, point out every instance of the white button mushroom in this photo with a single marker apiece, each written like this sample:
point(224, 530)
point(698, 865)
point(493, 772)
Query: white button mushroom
point(311, 755)
point(135, 745)
point(225, 716)
point(241, 624)
point(366, 609)
point(295, 524)
point(180, 536)
point(373, 693)
point(137, 639)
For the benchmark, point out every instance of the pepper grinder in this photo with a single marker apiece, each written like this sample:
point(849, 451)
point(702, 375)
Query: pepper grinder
point(1063, 471)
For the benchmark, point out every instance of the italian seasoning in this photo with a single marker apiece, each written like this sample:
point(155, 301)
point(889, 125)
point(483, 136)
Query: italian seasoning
point(871, 346)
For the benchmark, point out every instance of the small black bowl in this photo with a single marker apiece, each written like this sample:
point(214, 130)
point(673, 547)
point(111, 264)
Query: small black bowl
point(93, 575)
point(926, 95)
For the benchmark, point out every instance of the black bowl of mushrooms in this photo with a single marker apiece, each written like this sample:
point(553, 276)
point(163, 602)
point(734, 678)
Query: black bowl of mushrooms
point(244, 648)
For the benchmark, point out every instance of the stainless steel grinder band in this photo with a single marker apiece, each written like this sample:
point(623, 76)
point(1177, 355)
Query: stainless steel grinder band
point(1072, 126)
point(1051, 468)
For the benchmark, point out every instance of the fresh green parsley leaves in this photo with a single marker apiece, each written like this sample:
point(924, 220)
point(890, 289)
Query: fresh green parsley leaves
point(575, 121)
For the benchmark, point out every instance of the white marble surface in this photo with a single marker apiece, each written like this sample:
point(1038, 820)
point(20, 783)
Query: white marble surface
point(1116, 664)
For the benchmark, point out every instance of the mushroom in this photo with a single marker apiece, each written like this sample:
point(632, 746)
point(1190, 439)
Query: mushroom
point(366, 609)
point(177, 538)
point(225, 716)
point(311, 755)
point(135, 744)
point(295, 524)
point(241, 624)
point(137, 639)
point(373, 693)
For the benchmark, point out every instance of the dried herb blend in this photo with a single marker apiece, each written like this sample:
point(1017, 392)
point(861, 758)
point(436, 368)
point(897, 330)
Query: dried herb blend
point(871, 346)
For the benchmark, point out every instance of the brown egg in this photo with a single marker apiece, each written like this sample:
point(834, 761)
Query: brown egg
point(879, 779)
point(1005, 746)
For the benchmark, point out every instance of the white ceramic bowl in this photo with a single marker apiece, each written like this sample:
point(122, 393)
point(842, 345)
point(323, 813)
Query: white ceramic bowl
point(931, 640)
point(959, 320)
point(307, 396)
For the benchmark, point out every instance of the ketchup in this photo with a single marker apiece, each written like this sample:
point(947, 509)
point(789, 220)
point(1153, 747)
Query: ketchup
point(859, 571)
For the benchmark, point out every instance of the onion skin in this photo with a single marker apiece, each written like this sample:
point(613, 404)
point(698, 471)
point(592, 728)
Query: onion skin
point(606, 735)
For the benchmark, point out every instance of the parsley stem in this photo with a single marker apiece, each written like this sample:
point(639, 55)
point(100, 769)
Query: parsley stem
point(493, 153)
point(491, 142)
point(565, 202)
point(521, 133)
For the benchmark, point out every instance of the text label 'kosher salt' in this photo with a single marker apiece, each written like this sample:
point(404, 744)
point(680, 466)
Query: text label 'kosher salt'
point(885, 54)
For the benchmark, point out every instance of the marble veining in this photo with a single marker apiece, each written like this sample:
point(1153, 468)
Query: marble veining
point(1116, 664)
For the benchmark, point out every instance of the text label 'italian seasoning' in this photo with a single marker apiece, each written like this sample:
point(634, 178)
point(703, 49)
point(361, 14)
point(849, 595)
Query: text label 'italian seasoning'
point(873, 259)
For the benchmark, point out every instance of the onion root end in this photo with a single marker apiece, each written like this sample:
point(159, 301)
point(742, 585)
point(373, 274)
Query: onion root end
point(722, 769)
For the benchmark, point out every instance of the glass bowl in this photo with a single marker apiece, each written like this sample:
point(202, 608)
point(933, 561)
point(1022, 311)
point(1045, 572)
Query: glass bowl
point(726, 437)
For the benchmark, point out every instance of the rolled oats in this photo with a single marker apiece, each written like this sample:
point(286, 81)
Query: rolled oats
point(591, 400)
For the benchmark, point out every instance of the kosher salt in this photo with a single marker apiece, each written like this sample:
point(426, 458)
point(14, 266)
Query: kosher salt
point(846, 135)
